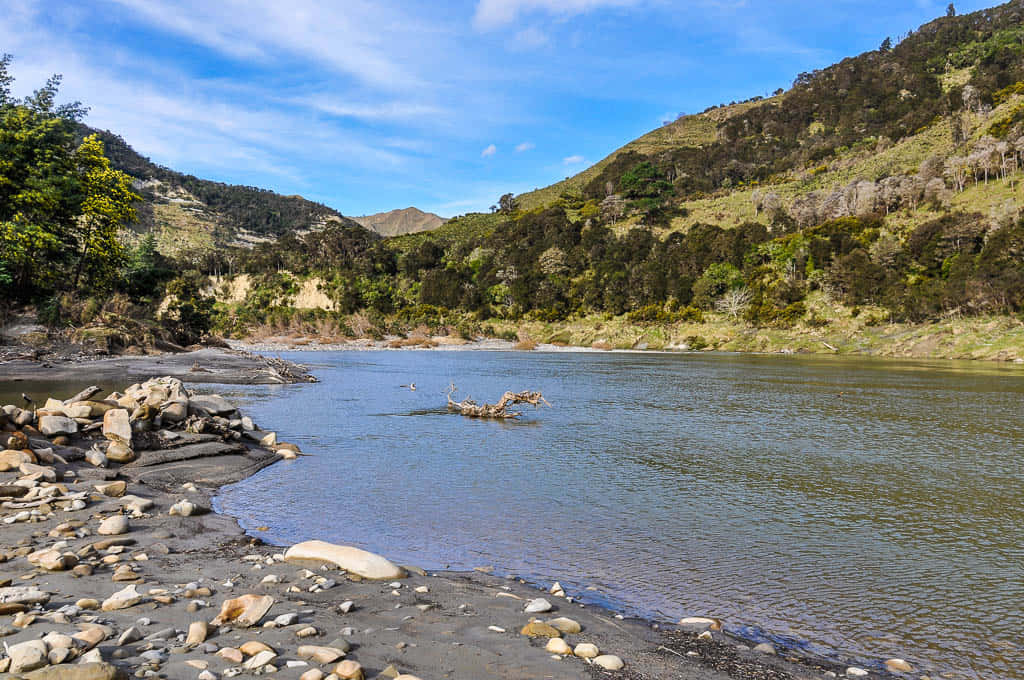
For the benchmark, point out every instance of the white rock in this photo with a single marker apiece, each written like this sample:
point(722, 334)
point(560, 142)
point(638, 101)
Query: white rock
point(183, 508)
point(96, 457)
point(609, 662)
point(259, 660)
point(854, 672)
point(52, 426)
point(122, 599)
point(27, 656)
point(286, 619)
point(116, 426)
point(496, 629)
point(354, 560)
point(537, 606)
point(558, 646)
point(114, 525)
point(586, 650)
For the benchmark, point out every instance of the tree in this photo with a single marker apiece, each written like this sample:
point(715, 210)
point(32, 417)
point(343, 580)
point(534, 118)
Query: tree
point(507, 204)
point(107, 206)
point(886, 45)
point(734, 302)
point(950, 10)
point(40, 192)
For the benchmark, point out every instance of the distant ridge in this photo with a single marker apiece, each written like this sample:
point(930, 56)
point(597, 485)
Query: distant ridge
point(400, 222)
point(189, 214)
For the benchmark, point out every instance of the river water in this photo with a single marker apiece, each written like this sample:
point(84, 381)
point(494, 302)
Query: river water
point(873, 508)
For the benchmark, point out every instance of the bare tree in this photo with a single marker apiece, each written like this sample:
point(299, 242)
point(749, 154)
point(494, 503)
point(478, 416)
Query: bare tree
point(959, 169)
point(734, 302)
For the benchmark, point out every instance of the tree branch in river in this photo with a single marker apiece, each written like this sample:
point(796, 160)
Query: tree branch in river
point(471, 409)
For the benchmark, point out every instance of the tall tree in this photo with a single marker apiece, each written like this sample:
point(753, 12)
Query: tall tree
point(107, 205)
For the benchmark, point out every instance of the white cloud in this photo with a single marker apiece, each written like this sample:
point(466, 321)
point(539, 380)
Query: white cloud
point(525, 146)
point(390, 111)
point(313, 29)
point(489, 151)
point(493, 14)
point(573, 160)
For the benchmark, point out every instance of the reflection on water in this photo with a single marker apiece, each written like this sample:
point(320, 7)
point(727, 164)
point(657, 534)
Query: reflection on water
point(872, 507)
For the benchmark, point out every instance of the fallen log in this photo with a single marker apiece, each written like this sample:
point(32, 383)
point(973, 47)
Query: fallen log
point(471, 409)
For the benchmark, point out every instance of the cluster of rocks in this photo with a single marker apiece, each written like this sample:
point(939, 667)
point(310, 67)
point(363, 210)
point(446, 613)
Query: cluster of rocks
point(553, 630)
point(156, 415)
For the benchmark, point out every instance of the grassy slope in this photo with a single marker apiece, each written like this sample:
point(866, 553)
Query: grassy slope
point(986, 338)
point(694, 131)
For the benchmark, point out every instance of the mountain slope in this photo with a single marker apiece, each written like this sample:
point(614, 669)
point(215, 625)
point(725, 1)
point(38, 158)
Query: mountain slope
point(946, 92)
point(193, 215)
point(400, 222)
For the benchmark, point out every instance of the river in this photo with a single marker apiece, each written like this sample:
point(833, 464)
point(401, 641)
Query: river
point(855, 507)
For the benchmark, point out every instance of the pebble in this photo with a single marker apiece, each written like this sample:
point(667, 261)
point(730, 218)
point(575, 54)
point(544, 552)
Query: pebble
point(764, 648)
point(132, 634)
point(349, 670)
point(285, 619)
point(609, 662)
point(495, 629)
point(854, 672)
point(899, 666)
point(197, 632)
point(539, 629)
point(558, 646)
point(586, 650)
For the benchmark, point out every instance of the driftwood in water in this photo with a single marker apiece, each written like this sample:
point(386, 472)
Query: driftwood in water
point(471, 409)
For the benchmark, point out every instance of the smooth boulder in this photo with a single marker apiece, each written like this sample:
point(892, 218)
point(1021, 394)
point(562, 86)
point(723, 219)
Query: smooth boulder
point(353, 560)
point(27, 656)
point(114, 526)
point(609, 662)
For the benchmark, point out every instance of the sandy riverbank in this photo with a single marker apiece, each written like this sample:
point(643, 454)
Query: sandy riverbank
point(185, 567)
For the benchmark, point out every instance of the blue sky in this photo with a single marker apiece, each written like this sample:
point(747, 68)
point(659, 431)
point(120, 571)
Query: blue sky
point(369, 105)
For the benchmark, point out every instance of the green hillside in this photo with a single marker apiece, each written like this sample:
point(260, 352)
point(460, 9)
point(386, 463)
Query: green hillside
point(881, 190)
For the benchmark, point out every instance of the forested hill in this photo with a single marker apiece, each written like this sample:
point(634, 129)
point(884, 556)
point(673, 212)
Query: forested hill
point(192, 214)
point(937, 86)
point(889, 182)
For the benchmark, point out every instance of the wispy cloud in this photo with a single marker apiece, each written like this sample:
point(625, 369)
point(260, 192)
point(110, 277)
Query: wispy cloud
point(525, 146)
point(489, 151)
point(387, 111)
point(310, 29)
point(573, 160)
point(492, 14)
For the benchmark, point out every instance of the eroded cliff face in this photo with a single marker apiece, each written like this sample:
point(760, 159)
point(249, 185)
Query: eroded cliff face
point(236, 289)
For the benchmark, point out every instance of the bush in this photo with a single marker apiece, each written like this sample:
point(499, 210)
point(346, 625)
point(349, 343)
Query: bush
point(189, 316)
